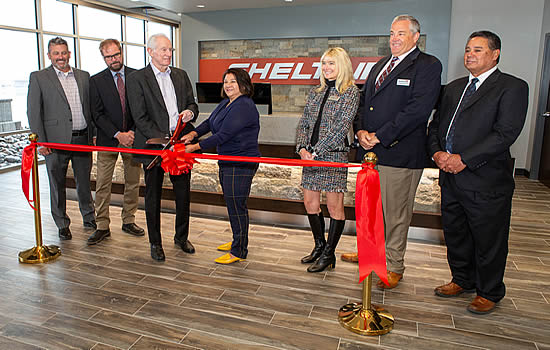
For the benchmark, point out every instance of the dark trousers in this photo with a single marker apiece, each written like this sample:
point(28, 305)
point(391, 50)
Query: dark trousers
point(153, 191)
point(236, 182)
point(57, 163)
point(476, 227)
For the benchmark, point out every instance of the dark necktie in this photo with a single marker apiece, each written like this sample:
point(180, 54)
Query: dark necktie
point(385, 73)
point(122, 95)
point(451, 133)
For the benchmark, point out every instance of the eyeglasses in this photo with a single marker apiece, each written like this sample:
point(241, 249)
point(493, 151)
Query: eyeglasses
point(116, 55)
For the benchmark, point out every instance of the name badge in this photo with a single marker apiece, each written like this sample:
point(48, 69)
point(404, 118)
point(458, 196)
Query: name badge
point(403, 82)
point(333, 98)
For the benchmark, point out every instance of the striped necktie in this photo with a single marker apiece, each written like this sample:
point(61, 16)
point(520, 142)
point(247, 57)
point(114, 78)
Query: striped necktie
point(385, 73)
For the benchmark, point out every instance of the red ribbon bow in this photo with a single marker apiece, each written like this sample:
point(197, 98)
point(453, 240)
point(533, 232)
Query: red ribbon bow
point(177, 162)
point(27, 161)
point(369, 219)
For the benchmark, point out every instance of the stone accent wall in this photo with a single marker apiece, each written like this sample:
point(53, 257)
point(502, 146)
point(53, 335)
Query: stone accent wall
point(291, 98)
point(276, 181)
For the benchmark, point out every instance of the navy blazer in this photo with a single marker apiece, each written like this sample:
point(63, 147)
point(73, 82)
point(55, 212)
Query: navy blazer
point(399, 110)
point(487, 126)
point(106, 107)
point(235, 128)
point(148, 108)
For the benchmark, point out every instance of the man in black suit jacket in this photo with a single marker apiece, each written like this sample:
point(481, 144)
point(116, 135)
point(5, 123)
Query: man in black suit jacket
point(478, 118)
point(398, 98)
point(115, 128)
point(157, 94)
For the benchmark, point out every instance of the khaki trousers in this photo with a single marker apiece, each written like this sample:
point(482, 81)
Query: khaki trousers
point(398, 189)
point(105, 167)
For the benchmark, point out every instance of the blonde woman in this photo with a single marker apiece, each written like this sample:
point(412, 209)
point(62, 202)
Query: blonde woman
point(322, 135)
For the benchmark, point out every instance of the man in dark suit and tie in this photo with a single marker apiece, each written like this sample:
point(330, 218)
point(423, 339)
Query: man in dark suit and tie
point(398, 98)
point(58, 109)
point(478, 118)
point(115, 128)
point(157, 94)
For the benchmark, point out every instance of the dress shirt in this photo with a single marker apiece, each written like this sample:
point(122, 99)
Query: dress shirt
point(400, 59)
point(70, 87)
point(481, 78)
point(168, 94)
point(121, 72)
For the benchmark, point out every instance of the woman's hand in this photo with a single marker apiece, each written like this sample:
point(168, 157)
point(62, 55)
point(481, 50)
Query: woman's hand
point(305, 154)
point(192, 148)
point(187, 138)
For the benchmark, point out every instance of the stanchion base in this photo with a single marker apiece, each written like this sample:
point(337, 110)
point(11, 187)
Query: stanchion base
point(40, 254)
point(373, 321)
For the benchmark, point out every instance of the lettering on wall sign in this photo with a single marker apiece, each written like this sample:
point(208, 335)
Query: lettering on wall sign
point(280, 71)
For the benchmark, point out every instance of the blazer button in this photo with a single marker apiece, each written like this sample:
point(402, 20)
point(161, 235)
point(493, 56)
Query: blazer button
point(70, 120)
point(371, 108)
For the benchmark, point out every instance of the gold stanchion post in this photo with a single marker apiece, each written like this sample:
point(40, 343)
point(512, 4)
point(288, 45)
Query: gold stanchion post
point(41, 253)
point(365, 318)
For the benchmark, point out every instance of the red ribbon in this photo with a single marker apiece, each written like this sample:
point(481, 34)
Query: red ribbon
point(371, 246)
point(27, 161)
point(368, 203)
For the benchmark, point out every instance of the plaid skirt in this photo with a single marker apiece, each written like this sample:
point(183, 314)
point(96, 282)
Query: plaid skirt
point(325, 179)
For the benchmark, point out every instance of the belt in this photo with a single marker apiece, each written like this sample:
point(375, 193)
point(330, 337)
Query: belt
point(80, 132)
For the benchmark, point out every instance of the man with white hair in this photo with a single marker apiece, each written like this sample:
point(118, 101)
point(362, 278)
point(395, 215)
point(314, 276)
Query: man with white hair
point(157, 95)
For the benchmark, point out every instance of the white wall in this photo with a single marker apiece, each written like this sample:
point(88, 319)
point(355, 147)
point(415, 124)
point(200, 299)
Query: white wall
point(519, 25)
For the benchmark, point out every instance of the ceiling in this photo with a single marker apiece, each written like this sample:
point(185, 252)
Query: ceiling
point(171, 8)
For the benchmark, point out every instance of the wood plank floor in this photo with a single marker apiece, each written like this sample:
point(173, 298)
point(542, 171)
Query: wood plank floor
point(114, 296)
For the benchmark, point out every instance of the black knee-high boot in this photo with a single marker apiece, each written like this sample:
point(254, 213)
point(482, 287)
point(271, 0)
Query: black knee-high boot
point(317, 223)
point(328, 259)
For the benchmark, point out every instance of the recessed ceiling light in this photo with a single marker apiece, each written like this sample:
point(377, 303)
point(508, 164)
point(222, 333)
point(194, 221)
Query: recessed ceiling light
point(179, 13)
point(201, 6)
point(289, 0)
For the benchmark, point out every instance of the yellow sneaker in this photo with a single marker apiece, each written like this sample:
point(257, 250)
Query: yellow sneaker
point(225, 247)
point(227, 259)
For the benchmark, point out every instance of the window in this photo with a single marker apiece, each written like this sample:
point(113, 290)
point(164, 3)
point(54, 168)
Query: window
point(135, 56)
point(135, 30)
point(156, 28)
point(57, 17)
point(14, 80)
point(25, 14)
point(99, 24)
point(82, 25)
point(91, 59)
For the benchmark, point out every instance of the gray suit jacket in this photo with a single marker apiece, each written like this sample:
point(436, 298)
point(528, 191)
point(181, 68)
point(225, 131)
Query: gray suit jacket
point(48, 109)
point(148, 108)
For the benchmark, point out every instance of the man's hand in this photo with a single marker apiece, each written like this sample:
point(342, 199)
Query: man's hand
point(187, 138)
point(186, 115)
point(44, 151)
point(440, 159)
point(454, 164)
point(366, 139)
point(126, 139)
point(305, 155)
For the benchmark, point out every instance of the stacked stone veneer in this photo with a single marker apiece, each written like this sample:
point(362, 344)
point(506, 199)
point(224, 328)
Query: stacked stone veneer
point(291, 98)
point(283, 182)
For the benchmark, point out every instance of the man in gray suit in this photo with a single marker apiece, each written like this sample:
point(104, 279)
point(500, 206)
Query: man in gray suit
point(157, 95)
point(58, 110)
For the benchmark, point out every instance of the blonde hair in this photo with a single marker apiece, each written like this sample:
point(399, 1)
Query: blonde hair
point(345, 71)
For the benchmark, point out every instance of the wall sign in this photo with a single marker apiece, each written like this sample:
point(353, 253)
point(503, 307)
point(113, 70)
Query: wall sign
point(280, 71)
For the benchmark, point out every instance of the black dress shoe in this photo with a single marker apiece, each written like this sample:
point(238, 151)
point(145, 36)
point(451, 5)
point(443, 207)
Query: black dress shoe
point(157, 253)
point(98, 236)
point(186, 246)
point(133, 229)
point(65, 234)
point(90, 224)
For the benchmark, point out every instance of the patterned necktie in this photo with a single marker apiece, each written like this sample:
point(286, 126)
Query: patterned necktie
point(122, 95)
point(451, 133)
point(385, 73)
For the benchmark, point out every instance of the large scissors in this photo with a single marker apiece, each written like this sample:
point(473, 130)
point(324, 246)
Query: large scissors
point(166, 141)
